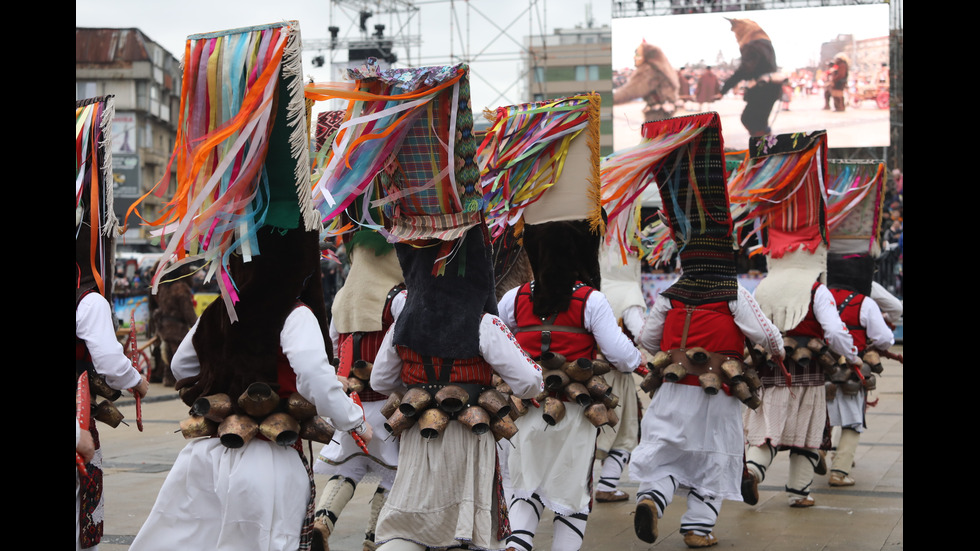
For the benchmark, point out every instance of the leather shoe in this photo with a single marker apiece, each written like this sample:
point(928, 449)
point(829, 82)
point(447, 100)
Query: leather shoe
point(801, 502)
point(645, 521)
point(696, 540)
point(840, 479)
point(608, 497)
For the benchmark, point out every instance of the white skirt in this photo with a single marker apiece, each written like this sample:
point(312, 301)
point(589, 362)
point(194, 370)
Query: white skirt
point(625, 435)
point(554, 462)
point(443, 493)
point(694, 437)
point(847, 411)
point(254, 497)
point(342, 456)
point(789, 416)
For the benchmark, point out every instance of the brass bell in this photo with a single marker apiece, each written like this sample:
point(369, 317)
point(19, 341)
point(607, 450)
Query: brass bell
point(476, 418)
point(452, 398)
point(258, 400)
point(237, 430)
point(197, 426)
point(316, 429)
point(580, 370)
point(415, 401)
point(433, 422)
point(391, 404)
point(554, 410)
point(496, 404)
point(577, 393)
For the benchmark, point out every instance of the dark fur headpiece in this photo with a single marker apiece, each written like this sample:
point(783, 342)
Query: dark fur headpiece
point(851, 271)
point(561, 253)
point(284, 273)
point(442, 313)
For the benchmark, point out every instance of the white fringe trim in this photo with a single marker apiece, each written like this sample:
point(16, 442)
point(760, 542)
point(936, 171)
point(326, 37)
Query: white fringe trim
point(111, 224)
point(299, 138)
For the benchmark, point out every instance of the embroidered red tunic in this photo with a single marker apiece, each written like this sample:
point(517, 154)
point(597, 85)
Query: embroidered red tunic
point(467, 370)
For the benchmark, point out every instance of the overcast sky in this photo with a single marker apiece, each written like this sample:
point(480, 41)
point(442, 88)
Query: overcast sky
point(495, 70)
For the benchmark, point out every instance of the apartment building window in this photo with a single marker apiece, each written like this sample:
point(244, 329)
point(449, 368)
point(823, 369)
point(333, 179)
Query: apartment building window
point(84, 90)
point(539, 74)
point(586, 72)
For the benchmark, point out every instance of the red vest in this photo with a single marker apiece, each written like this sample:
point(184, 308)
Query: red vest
point(849, 308)
point(712, 327)
point(809, 327)
point(369, 343)
point(574, 342)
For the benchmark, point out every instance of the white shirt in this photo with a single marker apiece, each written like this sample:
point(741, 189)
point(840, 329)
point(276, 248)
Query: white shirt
point(599, 320)
point(891, 307)
point(870, 317)
point(316, 379)
point(498, 347)
point(745, 310)
point(834, 330)
point(93, 324)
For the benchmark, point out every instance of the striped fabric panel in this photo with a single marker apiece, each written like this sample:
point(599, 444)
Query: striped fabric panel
point(467, 370)
point(445, 227)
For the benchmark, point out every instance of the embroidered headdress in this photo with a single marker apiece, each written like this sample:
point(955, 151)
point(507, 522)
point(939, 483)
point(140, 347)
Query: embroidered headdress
point(855, 193)
point(684, 156)
point(540, 170)
point(781, 188)
point(242, 150)
point(95, 220)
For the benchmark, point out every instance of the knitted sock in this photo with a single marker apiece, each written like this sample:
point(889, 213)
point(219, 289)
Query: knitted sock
point(569, 531)
point(612, 470)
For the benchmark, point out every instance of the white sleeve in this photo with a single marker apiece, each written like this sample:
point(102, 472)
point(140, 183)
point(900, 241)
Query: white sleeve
point(633, 320)
point(93, 324)
point(653, 327)
point(879, 335)
point(334, 338)
point(316, 379)
point(398, 304)
point(891, 307)
point(754, 324)
point(386, 375)
point(185, 362)
point(612, 342)
point(505, 308)
point(500, 349)
point(835, 332)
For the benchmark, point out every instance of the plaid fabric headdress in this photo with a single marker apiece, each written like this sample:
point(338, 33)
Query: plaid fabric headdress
point(242, 149)
point(855, 194)
point(411, 130)
point(781, 187)
point(688, 165)
point(95, 220)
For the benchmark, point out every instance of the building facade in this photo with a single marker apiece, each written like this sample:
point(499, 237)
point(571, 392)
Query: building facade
point(569, 62)
point(145, 80)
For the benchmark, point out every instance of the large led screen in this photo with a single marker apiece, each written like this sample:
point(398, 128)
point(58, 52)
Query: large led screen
point(797, 69)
